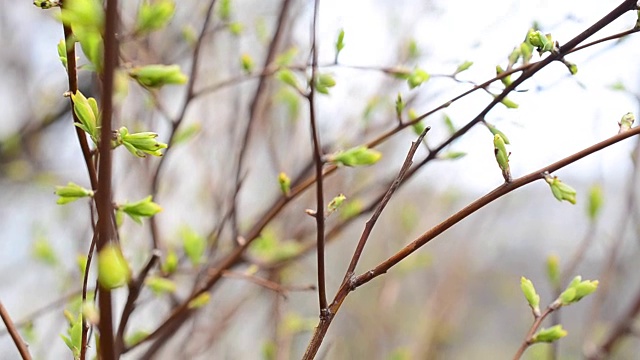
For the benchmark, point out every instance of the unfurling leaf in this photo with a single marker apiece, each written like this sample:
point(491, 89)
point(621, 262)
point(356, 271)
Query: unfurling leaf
point(154, 15)
point(549, 335)
point(530, 294)
point(560, 190)
point(357, 156)
point(285, 183)
point(193, 244)
point(140, 144)
point(199, 301)
point(626, 122)
point(462, 67)
point(140, 209)
point(502, 156)
point(417, 78)
point(156, 76)
point(340, 42)
point(71, 192)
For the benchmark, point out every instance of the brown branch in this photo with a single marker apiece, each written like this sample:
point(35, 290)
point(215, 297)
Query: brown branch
point(534, 327)
point(497, 193)
point(15, 335)
point(85, 284)
point(317, 160)
point(105, 207)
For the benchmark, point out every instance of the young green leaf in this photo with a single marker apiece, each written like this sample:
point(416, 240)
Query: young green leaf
point(553, 269)
point(285, 183)
point(335, 204)
point(549, 335)
point(224, 10)
point(508, 103)
point(357, 156)
point(287, 57)
point(417, 78)
point(247, 63)
point(156, 76)
point(462, 67)
point(71, 192)
point(324, 82)
point(577, 290)
point(170, 263)
point(154, 15)
point(199, 301)
point(160, 285)
point(186, 133)
point(340, 43)
point(596, 200)
point(530, 294)
point(560, 190)
point(506, 80)
point(287, 77)
point(495, 131)
point(136, 337)
point(62, 53)
point(87, 112)
point(449, 124)
point(452, 155)
point(140, 144)
point(44, 252)
point(626, 122)
point(113, 269)
point(502, 156)
point(193, 244)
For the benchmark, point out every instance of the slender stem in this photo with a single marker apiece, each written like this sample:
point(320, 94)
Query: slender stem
point(534, 327)
point(317, 159)
point(15, 335)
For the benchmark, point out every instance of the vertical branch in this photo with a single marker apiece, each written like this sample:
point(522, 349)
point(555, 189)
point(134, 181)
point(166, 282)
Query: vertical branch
point(317, 159)
point(253, 109)
point(105, 210)
point(72, 75)
point(15, 335)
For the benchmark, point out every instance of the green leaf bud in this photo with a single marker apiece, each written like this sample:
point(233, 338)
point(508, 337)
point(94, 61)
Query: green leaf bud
point(71, 192)
point(400, 104)
point(335, 204)
point(113, 270)
point(560, 190)
point(324, 82)
point(417, 77)
point(530, 294)
point(357, 156)
point(247, 63)
point(154, 15)
point(577, 290)
point(494, 130)
point(285, 183)
point(506, 80)
point(87, 112)
point(553, 269)
point(514, 56)
point(502, 156)
point(340, 42)
point(156, 76)
point(449, 124)
point(44, 252)
point(508, 103)
point(140, 144)
point(462, 67)
point(626, 122)
point(193, 244)
point(199, 301)
point(542, 42)
point(549, 335)
point(596, 200)
point(170, 263)
point(160, 285)
point(140, 209)
point(62, 53)
point(287, 77)
point(453, 155)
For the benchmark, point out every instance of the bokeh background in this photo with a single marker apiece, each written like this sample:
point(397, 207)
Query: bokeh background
point(457, 298)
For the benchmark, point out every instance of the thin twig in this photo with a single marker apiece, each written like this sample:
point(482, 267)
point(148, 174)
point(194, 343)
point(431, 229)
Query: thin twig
point(317, 160)
point(529, 337)
point(15, 335)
